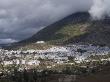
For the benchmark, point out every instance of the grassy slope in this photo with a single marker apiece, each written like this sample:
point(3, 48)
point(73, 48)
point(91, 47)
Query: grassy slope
point(68, 32)
point(36, 46)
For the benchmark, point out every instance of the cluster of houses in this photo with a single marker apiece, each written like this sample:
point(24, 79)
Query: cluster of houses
point(55, 55)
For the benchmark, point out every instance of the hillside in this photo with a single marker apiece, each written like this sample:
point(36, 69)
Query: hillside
point(76, 28)
point(62, 30)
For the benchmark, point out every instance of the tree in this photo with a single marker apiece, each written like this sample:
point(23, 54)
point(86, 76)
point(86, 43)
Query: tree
point(25, 76)
point(35, 75)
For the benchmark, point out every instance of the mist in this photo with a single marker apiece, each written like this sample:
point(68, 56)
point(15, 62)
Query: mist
point(100, 9)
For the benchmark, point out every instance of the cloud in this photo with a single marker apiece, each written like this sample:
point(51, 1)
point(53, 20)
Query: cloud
point(20, 19)
point(5, 41)
point(100, 9)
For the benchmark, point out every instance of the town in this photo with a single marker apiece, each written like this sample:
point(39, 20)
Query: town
point(74, 59)
point(29, 59)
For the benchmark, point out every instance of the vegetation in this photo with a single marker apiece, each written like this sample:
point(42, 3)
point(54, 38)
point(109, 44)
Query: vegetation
point(67, 32)
point(34, 75)
point(40, 73)
point(36, 46)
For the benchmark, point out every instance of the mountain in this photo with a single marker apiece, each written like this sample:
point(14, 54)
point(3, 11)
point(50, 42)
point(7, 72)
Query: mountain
point(62, 30)
point(76, 28)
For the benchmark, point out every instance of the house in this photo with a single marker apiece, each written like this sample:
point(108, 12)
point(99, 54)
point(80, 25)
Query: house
point(40, 42)
point(33, 62)
point(8, 63)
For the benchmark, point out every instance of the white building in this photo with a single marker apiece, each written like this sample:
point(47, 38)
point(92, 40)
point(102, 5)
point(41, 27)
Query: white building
point(40, 42)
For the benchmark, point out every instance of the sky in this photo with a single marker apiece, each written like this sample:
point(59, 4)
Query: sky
point(20, 19)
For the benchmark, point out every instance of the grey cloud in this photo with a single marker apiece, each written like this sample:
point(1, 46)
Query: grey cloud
point(8, 40)
point(20, 19)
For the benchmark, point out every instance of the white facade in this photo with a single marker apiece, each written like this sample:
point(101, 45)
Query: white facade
point(40, 42)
